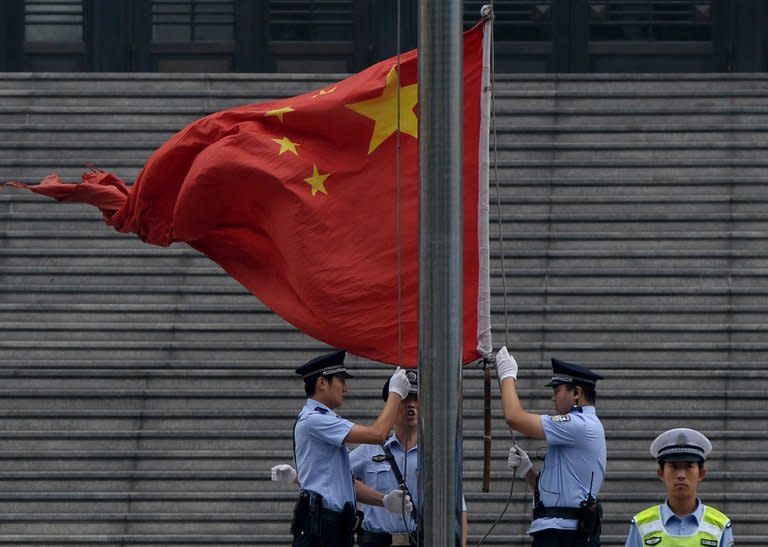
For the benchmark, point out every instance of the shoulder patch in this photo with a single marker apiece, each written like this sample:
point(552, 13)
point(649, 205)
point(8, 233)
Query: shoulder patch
point(321, 410)
point(709, 542)
point(653, 540)
point(561, 418)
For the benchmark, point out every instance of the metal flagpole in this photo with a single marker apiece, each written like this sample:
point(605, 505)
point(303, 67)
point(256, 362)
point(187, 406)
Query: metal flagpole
point(440, 274)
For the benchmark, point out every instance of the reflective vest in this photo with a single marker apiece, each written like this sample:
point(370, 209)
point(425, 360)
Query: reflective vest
point(710, 530)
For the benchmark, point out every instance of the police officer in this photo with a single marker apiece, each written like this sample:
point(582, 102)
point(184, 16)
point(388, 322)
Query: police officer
point(566, 511)
point(325, 514)
point(682, 520)
point(372, 466)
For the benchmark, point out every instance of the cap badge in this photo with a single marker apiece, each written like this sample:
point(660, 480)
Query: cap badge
point(681, 440)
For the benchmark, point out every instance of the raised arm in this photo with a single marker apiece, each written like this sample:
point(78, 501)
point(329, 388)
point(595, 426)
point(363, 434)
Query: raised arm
point(515, 415)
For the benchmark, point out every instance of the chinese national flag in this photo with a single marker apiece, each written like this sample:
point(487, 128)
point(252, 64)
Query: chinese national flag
point(297, 199)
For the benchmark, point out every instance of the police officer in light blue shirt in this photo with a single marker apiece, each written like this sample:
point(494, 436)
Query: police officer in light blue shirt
point(682, 520)
point(566, 511)
point(320, 464)
point(370, 465)
point(325, 515)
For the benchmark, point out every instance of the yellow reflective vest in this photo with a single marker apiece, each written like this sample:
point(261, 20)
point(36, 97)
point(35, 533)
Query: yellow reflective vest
point(652, 530)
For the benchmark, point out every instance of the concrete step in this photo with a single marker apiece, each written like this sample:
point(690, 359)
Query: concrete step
point(145, 394)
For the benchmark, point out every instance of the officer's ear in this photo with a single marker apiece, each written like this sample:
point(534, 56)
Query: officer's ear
point(577, 392)
point(322, 381)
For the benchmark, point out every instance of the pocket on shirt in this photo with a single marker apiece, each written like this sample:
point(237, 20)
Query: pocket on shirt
point(378, 475)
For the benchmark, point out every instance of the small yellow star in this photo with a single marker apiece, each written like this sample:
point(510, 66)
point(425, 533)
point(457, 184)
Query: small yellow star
point(384, 111)
point(324, 92)
point(316, 181)
point(286, 145)
point(279, 112)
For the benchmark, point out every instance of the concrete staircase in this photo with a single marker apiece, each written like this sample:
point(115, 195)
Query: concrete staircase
point(144, 394)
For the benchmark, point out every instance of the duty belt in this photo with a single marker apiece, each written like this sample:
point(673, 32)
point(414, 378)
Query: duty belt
point(556, 512)
point(403, 538)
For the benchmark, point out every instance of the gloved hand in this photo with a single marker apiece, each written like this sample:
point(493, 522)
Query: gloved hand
point(506, 366)
point(397, 501)
point(399, 383)
point(284, 473)
point(519, 461)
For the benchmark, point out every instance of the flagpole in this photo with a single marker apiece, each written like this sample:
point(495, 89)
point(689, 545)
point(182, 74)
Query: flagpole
point(440, 269)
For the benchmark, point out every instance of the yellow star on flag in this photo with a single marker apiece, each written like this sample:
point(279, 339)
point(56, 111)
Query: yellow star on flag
point(317, 181)
point(286, 145)
point(324, 92)
point(279, 112)
point(383, 111)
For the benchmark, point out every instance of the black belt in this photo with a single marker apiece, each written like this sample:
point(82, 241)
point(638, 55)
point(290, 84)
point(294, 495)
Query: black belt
point(557, 512)
point(383, 539)
point(331, 515)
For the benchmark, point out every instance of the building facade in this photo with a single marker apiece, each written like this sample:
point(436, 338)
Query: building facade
point(534, 36)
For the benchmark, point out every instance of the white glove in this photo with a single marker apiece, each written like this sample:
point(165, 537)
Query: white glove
point(519, 461)
point(399, 383)
point(284, 473)
point(506, 366)
point(397, 501)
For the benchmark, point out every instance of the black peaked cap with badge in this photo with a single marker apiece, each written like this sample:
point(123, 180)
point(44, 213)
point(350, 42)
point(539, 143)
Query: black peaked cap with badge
point(327, 364)
point(570, 373)
point(413, 389)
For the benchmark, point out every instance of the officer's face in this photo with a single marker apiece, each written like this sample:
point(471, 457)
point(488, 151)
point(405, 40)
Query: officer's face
point(337, 388)
point(681, 478)
point(563, 399)
point(409, 411)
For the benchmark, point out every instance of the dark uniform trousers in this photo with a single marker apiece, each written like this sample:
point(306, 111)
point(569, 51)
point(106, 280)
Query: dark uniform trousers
point(322, 527)
point(334, 532)
point(564, 538)
point(372, 539)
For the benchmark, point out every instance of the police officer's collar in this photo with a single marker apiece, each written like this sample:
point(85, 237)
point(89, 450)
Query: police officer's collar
point(667, 513)
point(586, 409)
point(317, 406)
point(393, 439)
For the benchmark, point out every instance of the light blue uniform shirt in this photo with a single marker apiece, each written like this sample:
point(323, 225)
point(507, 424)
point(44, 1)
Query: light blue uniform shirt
point(379, 476)
point(574, 466)
point(676, 526)
point(322, 460)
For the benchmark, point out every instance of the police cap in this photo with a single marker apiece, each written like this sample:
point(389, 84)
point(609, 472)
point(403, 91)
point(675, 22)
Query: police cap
point(413, 378)
point(327, 364)
point(569, 373)
point(681, 445)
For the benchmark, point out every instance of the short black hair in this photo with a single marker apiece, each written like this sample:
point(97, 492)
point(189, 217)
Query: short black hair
point(310, 383)
point(590, 393)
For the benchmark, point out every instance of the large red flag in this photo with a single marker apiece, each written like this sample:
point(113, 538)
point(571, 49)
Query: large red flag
point(299, 200)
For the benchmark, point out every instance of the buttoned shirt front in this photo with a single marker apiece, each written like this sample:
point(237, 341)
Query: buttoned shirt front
point(369, 467)
point(678, 526)
point(379, 476)
point(322, 460)
point(574, 466)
